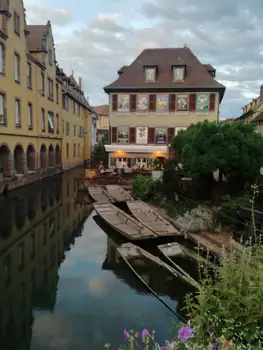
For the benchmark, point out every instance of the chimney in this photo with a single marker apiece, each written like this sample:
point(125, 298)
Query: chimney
point(80, 83)
point(261, 94)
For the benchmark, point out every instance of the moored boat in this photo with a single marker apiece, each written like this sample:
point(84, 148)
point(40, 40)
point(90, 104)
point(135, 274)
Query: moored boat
point(98, 194)
point(118, 193)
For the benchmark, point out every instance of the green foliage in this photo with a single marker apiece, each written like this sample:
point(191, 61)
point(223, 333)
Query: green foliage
point(234, 149)
point(232, 306)
point(157, 164)
point(227, 213)
point(145, 188)
point(99, 152)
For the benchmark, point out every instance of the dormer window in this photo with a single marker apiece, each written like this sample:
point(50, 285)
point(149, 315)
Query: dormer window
point(178, 73)
point(150, 74)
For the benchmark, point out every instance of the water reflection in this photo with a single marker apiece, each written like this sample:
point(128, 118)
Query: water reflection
point(38, 223)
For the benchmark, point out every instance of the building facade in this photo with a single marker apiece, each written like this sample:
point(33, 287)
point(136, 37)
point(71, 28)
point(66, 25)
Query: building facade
point(102, 120)
point(162, 92)
point(253, 112)
point(33, 139)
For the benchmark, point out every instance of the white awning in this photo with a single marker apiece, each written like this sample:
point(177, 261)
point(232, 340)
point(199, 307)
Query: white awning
point(136, 148)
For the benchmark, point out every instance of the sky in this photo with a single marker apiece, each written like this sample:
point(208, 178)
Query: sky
point(96, 38)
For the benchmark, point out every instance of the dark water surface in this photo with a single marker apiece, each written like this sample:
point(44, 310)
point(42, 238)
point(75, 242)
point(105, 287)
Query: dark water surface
point(60, 285)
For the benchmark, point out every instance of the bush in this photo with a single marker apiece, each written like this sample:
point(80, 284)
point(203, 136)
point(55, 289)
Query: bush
point(232, 306)
point(227, 213)
point(146, 188)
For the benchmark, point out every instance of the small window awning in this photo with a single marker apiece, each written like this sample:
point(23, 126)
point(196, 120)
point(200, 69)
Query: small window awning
point(137, 148)
point(50, 121)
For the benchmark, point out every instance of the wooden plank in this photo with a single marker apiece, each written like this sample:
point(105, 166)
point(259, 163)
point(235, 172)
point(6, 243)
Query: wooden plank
point(123, 222)
point(150, 218)
point(118, 193)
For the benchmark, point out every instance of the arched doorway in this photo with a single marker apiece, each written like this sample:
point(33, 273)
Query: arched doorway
point(43, 157)
point(58, 155)
point(5, 166)
point(51, 156)
point(30, 158)
point(19, 159)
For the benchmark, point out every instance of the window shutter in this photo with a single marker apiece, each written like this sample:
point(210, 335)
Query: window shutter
point(114, 135)
point(212, 102)
point(151, 135)
point(152, 103)
point(170, 135)
point(114, 102)
point(172, 98)
point(132, 135)
point(133, 103)
point(192, 102)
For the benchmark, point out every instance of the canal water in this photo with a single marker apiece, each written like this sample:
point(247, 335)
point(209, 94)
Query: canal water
point(61, 288)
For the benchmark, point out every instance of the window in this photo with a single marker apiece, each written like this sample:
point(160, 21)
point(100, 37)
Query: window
point(16, 23)
point(65, 102)
point(67, 128)
point(57, 94)
point(150, 74)
point(78, 109)
point(21, 255)
point(18, 113)
point(74, 107)
point(178, 73)
point(42, 84)
point(78, 149)
point(2, 58)
point(67, 150)
point(75, 128)
point(2, 110)
point(50, 57)
point(43, 121)
point(74, 150)
point(57, 123)
point(50, 116)
point(17, 67)
point(80, 131)
point(29, 116)
point(50, 88)
point(29, 75)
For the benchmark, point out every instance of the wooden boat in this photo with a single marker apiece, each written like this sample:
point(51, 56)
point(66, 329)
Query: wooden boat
point(150, 218)
point(98, 194)
point(123, 222)
point(129, 251)
point(118, 193)
point(176, 250)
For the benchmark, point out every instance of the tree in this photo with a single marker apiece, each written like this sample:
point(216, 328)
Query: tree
point(235, 149)
point(99, 153)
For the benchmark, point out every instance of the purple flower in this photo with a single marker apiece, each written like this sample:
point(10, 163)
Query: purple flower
point(185, 333)
point(126, 334)
point(144, 333)
point(214, 346)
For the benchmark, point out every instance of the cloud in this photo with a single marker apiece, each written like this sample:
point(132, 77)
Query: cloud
point(228, 35)
point(59, 17)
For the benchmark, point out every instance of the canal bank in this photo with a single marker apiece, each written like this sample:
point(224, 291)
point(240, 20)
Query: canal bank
point(62, 288)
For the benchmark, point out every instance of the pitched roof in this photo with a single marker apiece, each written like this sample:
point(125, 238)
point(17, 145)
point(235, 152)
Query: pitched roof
point(35, 37)
point(102, 110)
point(197, 75)
point(208, 67)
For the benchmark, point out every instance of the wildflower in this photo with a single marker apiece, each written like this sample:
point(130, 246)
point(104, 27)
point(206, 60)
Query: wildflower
point(126, 334)
point(144, 333)
point(214, 346)
point(185, 333)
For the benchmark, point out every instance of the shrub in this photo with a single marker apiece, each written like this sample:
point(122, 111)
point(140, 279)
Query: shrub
point(227, 213)
point(232, 306)
point(146, 188)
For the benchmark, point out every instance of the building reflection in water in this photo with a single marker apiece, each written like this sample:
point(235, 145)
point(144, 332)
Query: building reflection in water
point(38, 223)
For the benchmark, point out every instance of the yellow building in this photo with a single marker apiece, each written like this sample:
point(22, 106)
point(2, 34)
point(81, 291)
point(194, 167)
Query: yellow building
point(102, 120)
point(253, 112)
point(161, 92)
point(41, 109)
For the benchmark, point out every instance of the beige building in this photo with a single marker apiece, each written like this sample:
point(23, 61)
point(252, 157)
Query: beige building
point(162, 92)
point(102, 120)
point(253, 112)
point(41, 109)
